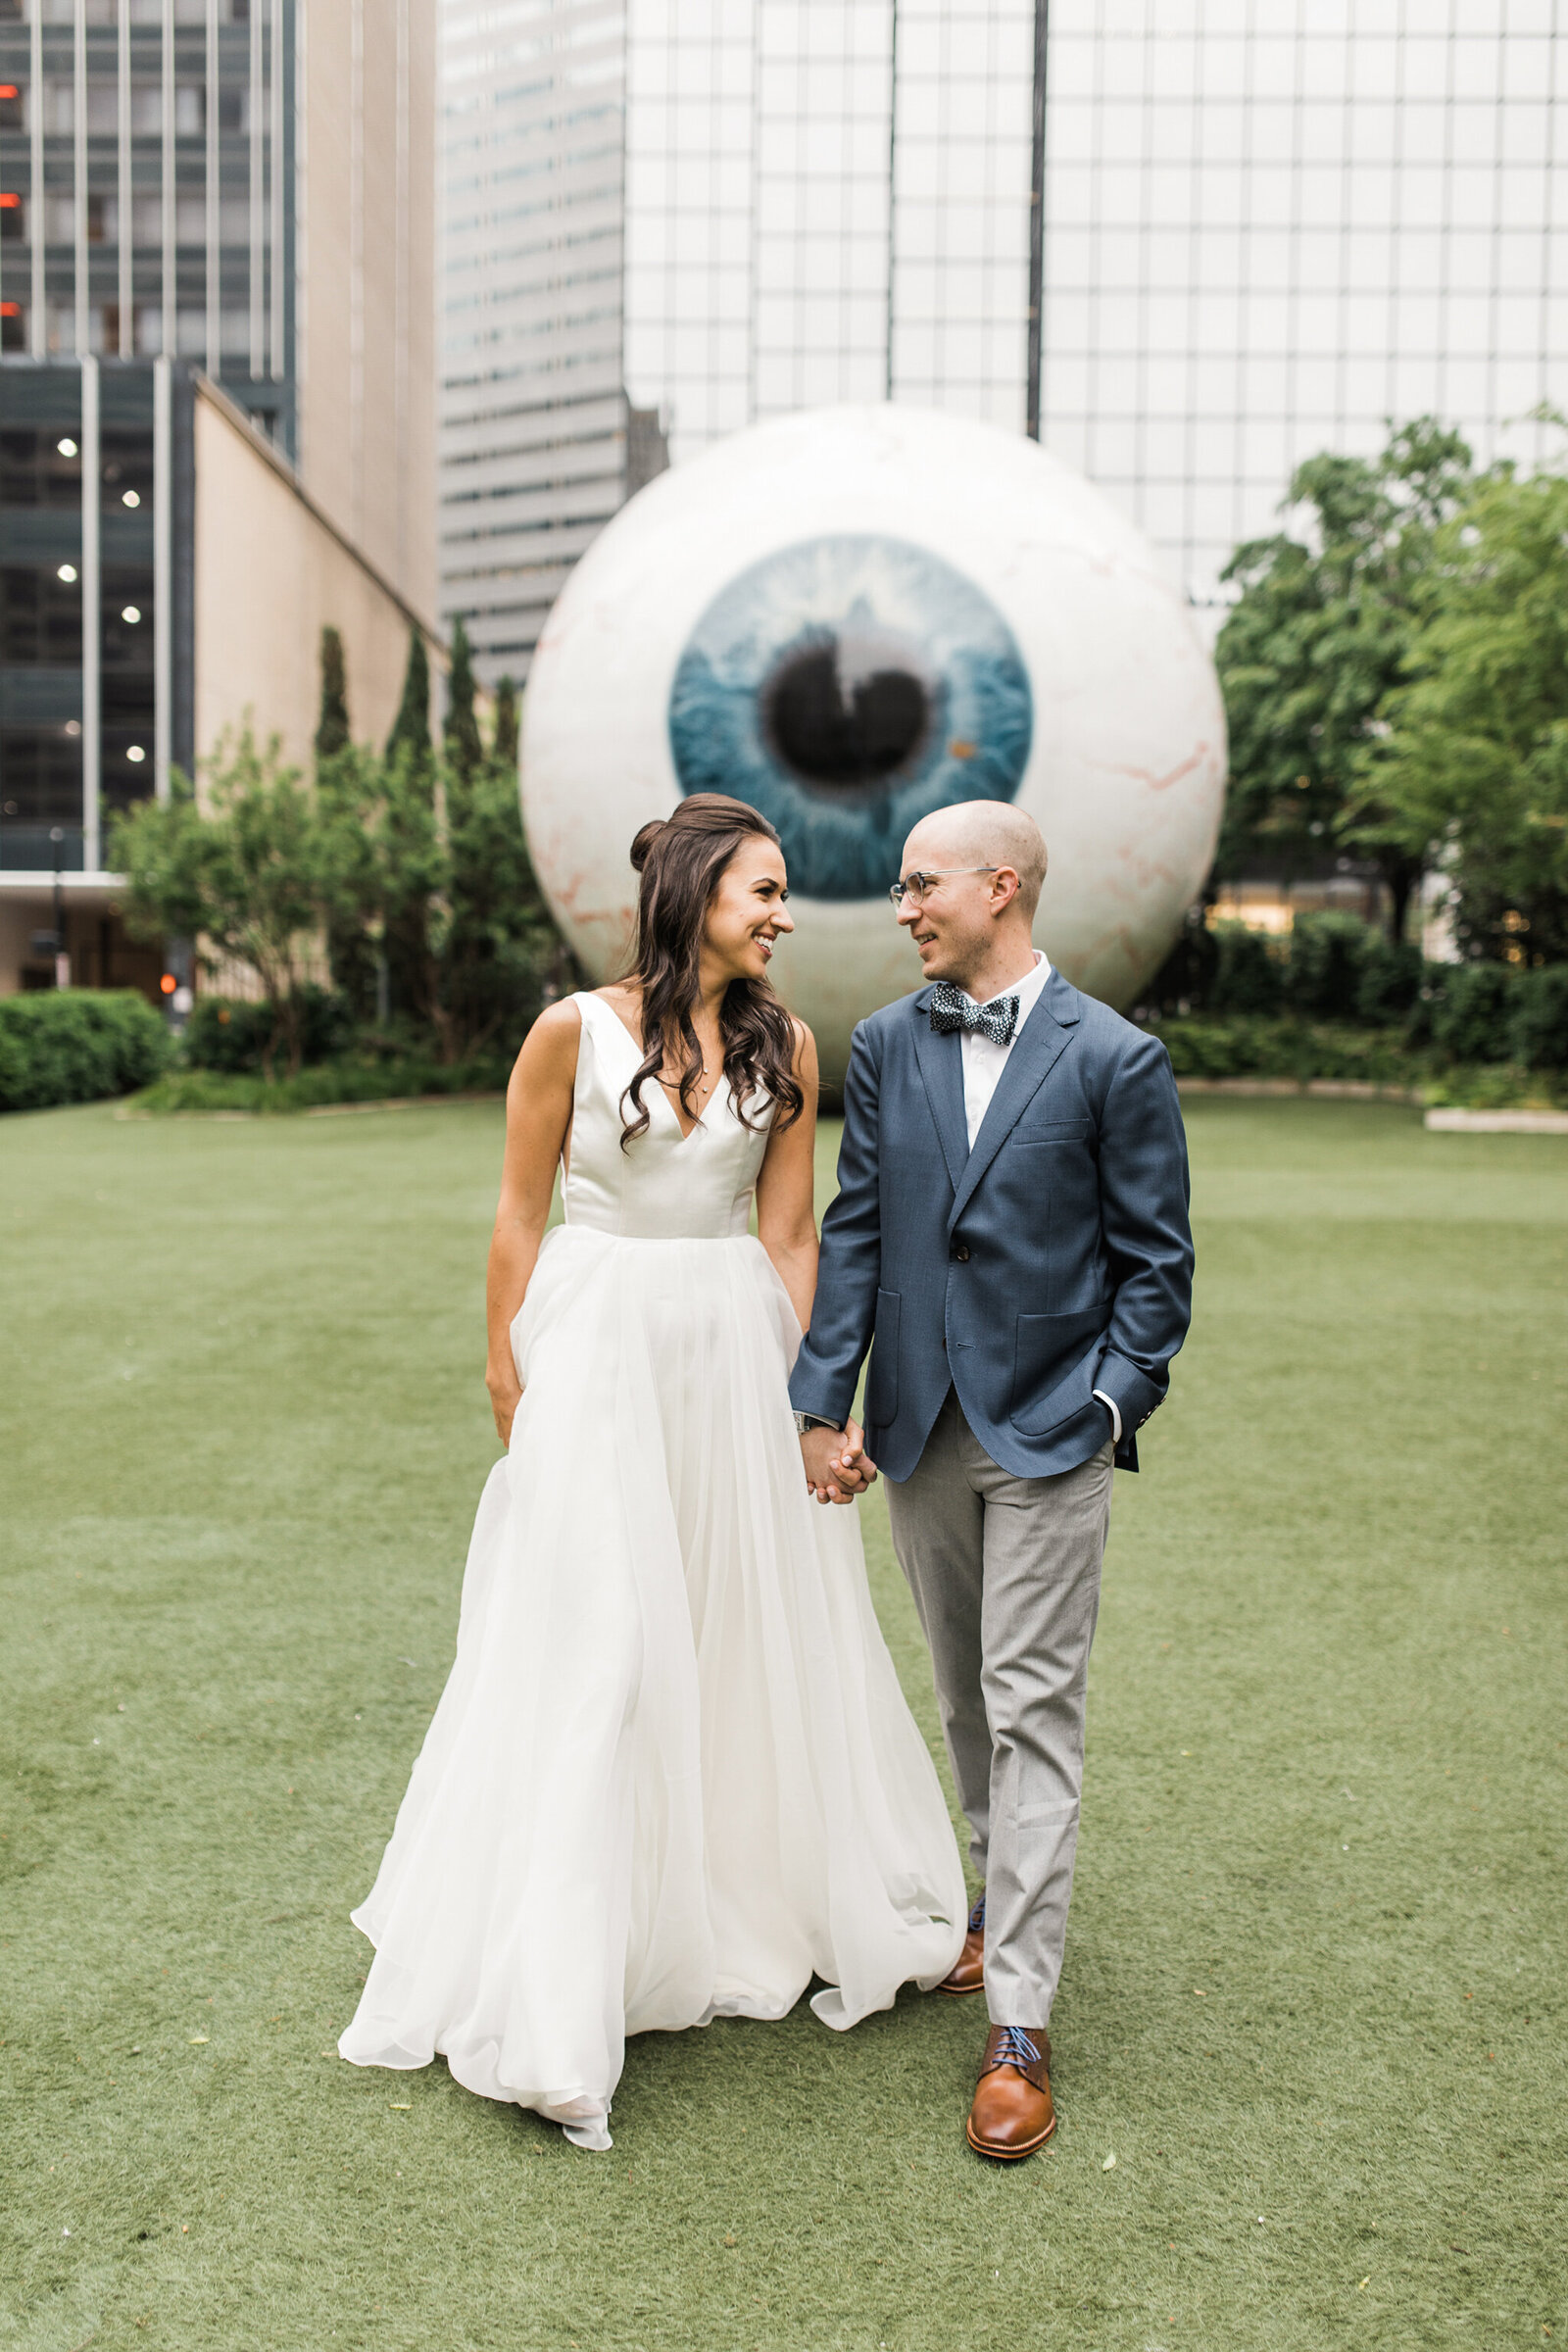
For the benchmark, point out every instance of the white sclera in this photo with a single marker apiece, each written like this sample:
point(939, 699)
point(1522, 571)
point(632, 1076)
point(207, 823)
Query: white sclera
point(1126, 770)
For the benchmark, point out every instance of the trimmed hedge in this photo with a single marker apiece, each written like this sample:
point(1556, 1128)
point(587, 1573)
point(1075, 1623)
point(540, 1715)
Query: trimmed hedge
point(1256, 1046)
point(328, 1082)
point(1538, 1024)
point(1299, 1052)
point(232, 1033)
point(1333, 968)
point(78, 1044)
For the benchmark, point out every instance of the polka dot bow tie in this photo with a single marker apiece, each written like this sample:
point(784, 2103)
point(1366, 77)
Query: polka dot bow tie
point(950, 1008)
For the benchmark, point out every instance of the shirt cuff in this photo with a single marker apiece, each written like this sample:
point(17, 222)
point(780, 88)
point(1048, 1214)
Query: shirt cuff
point(1116, 1416)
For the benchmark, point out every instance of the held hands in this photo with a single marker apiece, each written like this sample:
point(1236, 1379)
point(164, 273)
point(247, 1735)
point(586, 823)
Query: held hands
point(836, 1464)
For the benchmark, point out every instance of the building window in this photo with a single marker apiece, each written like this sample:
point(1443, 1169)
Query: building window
point(127, 471)
point(40, 467)
point(40, 797)
point(40, 618)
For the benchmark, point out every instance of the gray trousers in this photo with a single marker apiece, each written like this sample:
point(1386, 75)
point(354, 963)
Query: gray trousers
point(1005, 1575)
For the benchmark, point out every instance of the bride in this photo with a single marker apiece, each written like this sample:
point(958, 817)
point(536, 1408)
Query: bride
point(672, 1776)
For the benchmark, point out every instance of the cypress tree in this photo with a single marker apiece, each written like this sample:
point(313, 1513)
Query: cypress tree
point(460, 729)
point(333, 726)
point(505, 751)
point(410, 729)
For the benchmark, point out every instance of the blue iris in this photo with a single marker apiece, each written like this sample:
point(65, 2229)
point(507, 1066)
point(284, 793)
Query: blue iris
point(847, 687)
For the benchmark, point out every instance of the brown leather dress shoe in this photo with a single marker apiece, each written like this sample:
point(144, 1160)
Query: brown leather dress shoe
point(968, 1972)
point(1012, 2114)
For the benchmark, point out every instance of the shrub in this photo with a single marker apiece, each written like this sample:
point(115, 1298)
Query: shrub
point(328, 1083)
point(1248, 974)
point(232, 1034)
point(1186, 978)
point(1290, 1050)
point(1388, 983)
point(1323, 976)
point(1538, 1031)
point(76, 1045)
point(1470, 1016)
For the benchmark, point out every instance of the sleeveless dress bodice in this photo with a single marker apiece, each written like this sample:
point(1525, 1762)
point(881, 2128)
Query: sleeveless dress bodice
point(663, 1185)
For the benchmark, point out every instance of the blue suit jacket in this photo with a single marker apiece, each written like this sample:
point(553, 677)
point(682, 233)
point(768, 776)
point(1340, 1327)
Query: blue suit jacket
point(1054, 1259)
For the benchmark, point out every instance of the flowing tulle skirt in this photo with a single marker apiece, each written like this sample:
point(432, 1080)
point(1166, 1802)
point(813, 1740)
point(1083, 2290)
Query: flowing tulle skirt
point(672, 1774)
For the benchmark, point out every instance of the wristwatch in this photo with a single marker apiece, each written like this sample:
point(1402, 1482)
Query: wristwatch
point(806, 1421)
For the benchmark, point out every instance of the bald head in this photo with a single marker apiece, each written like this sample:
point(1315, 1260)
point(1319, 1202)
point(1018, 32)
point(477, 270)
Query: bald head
point(982, 833)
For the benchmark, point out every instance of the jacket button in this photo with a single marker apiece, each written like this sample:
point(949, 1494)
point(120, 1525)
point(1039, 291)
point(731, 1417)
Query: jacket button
point(961, 1251)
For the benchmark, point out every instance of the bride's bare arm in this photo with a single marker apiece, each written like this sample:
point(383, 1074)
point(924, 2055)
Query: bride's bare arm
point(538, 1114)
point(786, 1206)
point(838, 1466)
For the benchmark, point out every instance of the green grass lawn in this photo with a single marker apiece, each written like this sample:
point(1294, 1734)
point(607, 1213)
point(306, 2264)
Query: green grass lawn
point(1314, 1996)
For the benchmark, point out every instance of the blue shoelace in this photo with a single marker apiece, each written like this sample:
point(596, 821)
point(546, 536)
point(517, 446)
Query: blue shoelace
point(977, 1917)
point(1014, 2048)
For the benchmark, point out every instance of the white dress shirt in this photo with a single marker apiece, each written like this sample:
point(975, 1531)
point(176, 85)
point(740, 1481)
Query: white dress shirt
point(984, 1061)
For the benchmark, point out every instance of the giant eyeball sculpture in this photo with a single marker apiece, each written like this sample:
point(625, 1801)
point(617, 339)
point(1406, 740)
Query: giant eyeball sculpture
point(851, 618)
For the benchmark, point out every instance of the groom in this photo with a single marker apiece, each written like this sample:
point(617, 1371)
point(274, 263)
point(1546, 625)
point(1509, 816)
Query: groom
point(1010, 1240)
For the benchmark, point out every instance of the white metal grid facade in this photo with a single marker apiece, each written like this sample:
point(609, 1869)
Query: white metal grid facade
point(1268, 229)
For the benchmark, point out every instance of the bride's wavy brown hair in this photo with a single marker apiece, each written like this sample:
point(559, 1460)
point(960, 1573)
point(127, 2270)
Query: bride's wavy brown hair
point(680, 861)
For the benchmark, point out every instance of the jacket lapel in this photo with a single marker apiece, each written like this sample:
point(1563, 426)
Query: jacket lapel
point(941, 1061)
point(1043, 1039)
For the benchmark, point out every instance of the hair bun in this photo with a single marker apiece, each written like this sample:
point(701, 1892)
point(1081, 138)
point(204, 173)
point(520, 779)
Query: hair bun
point(642, 842)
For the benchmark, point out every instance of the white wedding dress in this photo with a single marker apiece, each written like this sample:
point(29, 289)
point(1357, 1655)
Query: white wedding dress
point(672, 1774)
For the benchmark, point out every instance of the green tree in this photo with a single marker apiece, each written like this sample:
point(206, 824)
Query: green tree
point(388, 876)
point(1473, 770)
point(501, 949)
point(410, 729)
point(332, 727)
point(408, 842)
point(1316, 641)
point(460, 730)
point(350, 956)
point(506, 744)
point(248, 876)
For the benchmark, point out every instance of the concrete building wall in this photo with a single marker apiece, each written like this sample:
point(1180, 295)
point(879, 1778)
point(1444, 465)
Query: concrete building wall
point(270, 574)
point(365, 286)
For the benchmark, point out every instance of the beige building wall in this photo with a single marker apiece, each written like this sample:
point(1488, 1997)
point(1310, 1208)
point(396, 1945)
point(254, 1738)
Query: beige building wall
point(272, 572)
point(365, 288)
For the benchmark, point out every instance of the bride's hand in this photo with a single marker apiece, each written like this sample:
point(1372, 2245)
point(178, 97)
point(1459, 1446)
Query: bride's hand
point(506, 1394)
point(836, 1462)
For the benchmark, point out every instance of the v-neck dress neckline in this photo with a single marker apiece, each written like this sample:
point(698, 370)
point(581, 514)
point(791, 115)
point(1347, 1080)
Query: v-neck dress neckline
point(686, 1133)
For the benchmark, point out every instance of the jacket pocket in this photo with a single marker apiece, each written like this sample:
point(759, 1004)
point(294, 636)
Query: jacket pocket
point(1051, 1131)
point(882, 1379)
point(1054, 1367)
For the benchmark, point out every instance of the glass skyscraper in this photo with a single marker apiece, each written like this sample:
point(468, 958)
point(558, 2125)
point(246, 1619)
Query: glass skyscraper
point(148, 201)
point(1188, 242)
point(239, 188)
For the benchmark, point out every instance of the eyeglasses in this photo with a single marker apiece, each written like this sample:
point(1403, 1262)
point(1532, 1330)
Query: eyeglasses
point(921, 886)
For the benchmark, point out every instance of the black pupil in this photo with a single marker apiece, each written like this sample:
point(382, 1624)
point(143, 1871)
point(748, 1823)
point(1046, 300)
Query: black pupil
point(828, 738)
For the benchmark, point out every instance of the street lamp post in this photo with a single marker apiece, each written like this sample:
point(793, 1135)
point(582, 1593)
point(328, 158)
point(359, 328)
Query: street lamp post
point(61, 958)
